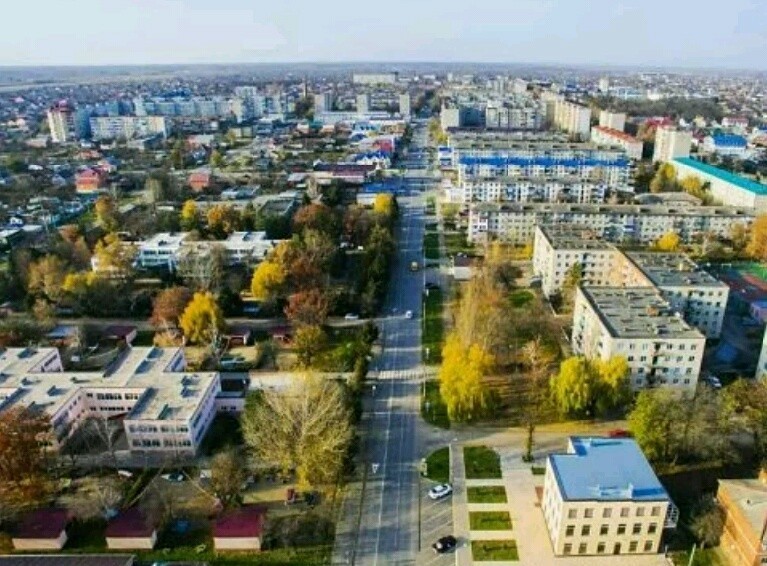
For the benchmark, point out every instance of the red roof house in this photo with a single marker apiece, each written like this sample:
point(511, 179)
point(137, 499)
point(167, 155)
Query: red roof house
point(90, 180)
point(240, 529)
point(43, 529)
point(199, 180)
point(131, 530)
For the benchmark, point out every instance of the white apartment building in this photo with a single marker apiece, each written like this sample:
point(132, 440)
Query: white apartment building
point(515, 222)
point(671, 143)
point(572, 118)
point(612, 120)
point(375, 78)
point(602, 135)
point(61, 122)
point(529, 190)
point(727, 188)
point(323, 102)
point(128, 127)
point(405, 106)
point(698, 297)
point(163, 407)
point(602, 497)
point(363, 103)
point(638, 324)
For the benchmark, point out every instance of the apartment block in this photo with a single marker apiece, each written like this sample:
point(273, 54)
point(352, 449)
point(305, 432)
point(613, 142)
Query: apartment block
point(612, 137)
point(163, 407)
point(323, 102)
point(612, 120)
point(744, 502)
point(363, 103)
point(602, 497)
point(405, 108)
point(128, 127)
point(375, 78)
point(61, 122)
point(727, 188)
point(671, 144)
point(521, 189)
point(572, 118)
point(638, 324)
point(515, 222)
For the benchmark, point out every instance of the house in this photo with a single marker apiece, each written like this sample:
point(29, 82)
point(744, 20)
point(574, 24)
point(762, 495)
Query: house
point(199, 180)
point(131, 530)
point(90, 181)
point(744, 502)
point(462, 267)
point(43, 529)
point(121, 333)
point(239, 529)
point(238, 335)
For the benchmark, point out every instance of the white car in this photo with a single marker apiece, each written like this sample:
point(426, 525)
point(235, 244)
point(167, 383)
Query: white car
point(440, 491)
point(408, 314)
point(352, 316)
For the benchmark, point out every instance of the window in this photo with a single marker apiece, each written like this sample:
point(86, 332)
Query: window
point(648, 546)
point(637, 529)
point(568, 549)
point(601, 548)
point(604, 529)
point(585, 530)
point(652, 528)
point(624, 511)
point(622, 529)
point(569, 530)
point(589, 513)
point(582, 548)
point(607, 512)
point(572, 514)
point(633, 546)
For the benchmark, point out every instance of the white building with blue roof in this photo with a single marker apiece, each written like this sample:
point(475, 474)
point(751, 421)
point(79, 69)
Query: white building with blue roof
point(602, 497)
point(727, 188)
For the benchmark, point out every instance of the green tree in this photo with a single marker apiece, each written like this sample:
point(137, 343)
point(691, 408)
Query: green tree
point(216, 159)
point(106, 213)
point(178, 155)
point(589, 387)
point(707, 522)
point(46, 278)
point(745, 401)
point(227, 476)
point(309, 342)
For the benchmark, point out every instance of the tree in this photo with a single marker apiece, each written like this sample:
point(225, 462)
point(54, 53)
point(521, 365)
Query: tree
point(268, 279)
point(589, 387)
point(305, 428)
point(24, 467)
point(538, 360)
point(223, 219)
point(707, 522)
point(216, 159)
point(46, 278)
point(460, 378)
point(757, 247)
point(115, 257)
point(655, 422)
point(356, 225)
point(169, 305)
point(745, 401)
point(318, 217)
point(204, 270)
point(106, 213)
point(385, 206)
point(227, 475)
point(202, 319)
point(668, 242)
point(309, 342)
point(190, 216)
point(308, 308)
point(739, 236)
point(664, 180)
point(178, 155)
point(94, 499)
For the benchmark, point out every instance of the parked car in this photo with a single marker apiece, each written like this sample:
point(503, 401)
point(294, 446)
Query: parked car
point(445, 544)
point(408, 314)
point(440, 491)
point(352, 316)
point(174, 477)
point(712, 381)
point(619, 433)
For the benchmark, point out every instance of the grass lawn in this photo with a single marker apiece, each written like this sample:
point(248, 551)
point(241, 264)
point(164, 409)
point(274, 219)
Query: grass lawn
point(481, 463)
point(494, 550)
point(520, 298)
point(433, 330)
point(436, 413)
point(487, 494)
point(489, 521)
point(431, 245)
point(438, 465)
point(705, 557)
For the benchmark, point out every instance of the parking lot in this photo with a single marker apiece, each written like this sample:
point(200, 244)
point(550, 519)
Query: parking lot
point(436, 522)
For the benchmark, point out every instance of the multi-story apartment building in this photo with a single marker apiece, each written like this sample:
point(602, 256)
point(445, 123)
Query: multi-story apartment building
point(363, 102)
point(405, 105)
point(61, 122)
point(638, 324)
point(323, 102)
point(572, 118)
point(515, 222)
point(743, 501)
point(520, 189)
point(520, 114)
point(725, 187)
point(163, 407)
point(612, 120)
point(611, 137)
point(602, 497)
point(671, 143)
point(375, 78)
point(128, 127)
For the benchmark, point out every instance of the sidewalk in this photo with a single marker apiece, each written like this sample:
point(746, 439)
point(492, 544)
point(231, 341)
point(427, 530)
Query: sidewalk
point(460, 504)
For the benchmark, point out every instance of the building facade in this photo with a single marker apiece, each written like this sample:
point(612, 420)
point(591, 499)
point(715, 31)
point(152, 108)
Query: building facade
point(671, 144)
point(128, 127)
point(602, 497)
point(725, 187)
point(612, 120)
point(612, 137)
point(744, 502)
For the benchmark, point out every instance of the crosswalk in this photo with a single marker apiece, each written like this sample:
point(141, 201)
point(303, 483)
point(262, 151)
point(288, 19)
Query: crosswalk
point(414, 374)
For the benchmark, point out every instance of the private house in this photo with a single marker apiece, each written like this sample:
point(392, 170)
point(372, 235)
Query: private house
point(43, 529)
point(199, 180)
point(131, 530)
point(90, 181)
point(239, 529)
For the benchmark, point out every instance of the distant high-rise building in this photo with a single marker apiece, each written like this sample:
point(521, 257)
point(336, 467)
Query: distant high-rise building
point(404, 105)
point(604, 85)
point(572, 118)
point(363, 103)
point(61, 122)
point(520, 86)
point(323, 102)
point(375, 78)
point(612, 120)
point(671, 143)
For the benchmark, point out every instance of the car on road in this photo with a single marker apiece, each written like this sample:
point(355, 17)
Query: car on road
point(440, 491)
point(174, 477)
point(352, 316)
point(445, 544)
point(408, 314)
point(712, 381)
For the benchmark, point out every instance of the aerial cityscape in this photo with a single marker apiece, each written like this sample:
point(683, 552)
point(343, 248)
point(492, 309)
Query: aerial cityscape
point(417, 284)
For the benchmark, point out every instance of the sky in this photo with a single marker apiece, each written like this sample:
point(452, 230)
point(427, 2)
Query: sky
point(672, 33)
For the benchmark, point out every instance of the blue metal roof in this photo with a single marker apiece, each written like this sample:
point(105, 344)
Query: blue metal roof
point(722, 175)
point(606, 469)
point(729, 140)
point(543, 161)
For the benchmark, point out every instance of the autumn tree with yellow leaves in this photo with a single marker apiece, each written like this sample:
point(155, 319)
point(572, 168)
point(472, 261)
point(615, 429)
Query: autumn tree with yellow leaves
point(202, 319)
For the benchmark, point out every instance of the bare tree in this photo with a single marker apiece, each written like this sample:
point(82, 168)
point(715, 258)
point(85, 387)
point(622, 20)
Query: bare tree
point(228, 473)
point(107, 432)
point(204, 269)
point(95, 499)
point(538, 361)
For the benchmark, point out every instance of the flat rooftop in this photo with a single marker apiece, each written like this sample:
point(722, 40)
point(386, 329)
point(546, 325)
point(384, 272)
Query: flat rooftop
point(573, 237)
point(637, 312)
point(606, 469)
point(750, 495)
point(165, 240)
point(726, 176)
point(673, 270)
